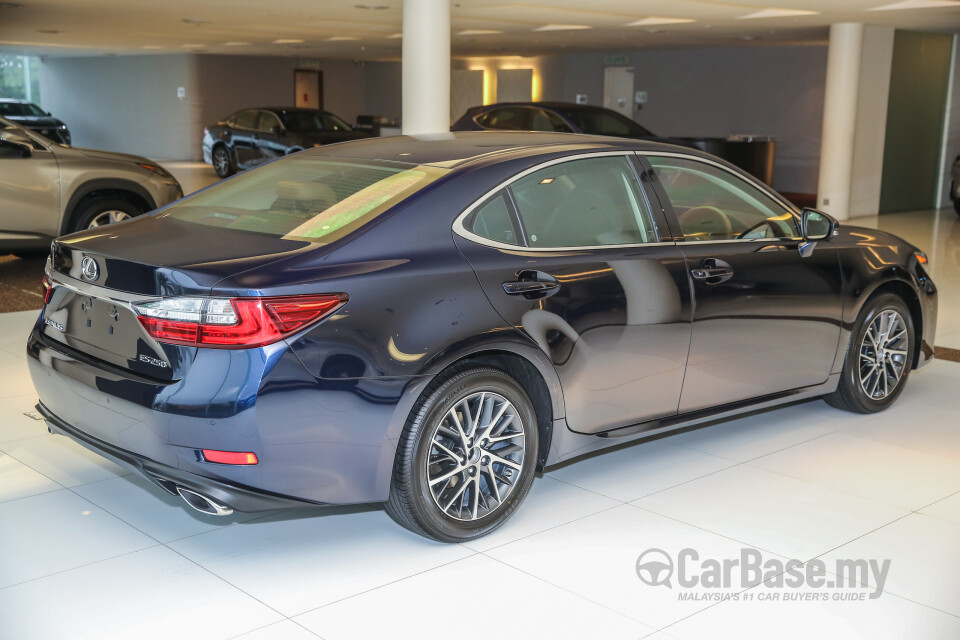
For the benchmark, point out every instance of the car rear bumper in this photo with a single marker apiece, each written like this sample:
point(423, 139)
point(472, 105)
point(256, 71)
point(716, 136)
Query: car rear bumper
point(236, 496)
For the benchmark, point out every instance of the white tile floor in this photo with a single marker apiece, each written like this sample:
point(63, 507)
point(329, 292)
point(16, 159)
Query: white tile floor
point(88, 551)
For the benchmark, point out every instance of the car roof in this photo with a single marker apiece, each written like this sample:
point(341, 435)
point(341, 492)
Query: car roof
point(281, 110)
point(460, 148)
point(570, 106)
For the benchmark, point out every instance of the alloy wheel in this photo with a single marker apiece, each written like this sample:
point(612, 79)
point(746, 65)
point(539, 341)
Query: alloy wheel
point(476, 455)
point(220, 162)
point(109, 217)
point(883, 354)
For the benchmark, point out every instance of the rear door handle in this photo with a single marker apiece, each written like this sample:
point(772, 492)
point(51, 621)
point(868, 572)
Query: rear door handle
point(532, 285)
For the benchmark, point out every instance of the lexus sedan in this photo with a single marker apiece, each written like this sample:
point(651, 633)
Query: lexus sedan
point(36, 119)
point(428, 323)
point(253, 136)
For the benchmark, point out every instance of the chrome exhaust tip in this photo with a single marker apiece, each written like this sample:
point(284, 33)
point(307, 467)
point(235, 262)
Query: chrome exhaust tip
point(203, 504)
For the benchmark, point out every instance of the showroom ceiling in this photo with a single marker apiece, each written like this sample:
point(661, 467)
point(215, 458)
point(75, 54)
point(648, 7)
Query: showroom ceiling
point(369, 29)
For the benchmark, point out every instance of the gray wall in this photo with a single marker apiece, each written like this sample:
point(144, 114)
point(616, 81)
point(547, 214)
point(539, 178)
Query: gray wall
point(126, 103)
point(716, 92)
point(951, 133)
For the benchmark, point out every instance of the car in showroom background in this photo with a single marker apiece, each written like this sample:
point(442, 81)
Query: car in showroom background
point(428, 323)
point(48, 189)
point(34, 118)
point(253, 136)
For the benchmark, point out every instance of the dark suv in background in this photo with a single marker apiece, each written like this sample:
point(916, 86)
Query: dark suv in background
point(32, 117)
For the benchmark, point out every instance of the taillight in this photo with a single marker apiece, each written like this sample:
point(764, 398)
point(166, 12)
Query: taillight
point(47, 290)
point(238, 323)
point(229, 457)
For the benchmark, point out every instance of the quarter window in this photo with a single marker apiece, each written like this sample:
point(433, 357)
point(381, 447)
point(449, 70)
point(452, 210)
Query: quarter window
point(581, 203)
point(711, 203)
point(494, 221)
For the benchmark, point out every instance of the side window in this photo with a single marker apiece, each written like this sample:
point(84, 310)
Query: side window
point(267, 122)
point(559, 125)
point(713, 204)
point(494, 221)
point(582, 203)
point(539, 121)
point(510, 118)
point(246, 120)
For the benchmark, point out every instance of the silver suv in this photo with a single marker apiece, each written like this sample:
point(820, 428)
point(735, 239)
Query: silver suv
point(48, 189)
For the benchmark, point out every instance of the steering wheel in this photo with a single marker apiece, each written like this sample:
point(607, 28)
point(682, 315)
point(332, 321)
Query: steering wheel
point(705, 215)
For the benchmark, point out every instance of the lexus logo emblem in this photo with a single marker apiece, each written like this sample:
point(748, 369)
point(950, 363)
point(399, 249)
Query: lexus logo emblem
point(89, 269)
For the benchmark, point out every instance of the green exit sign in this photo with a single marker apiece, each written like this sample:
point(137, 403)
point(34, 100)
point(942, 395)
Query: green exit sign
point(616, 58)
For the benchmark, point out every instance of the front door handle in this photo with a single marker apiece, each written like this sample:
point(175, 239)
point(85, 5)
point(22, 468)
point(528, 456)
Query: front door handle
point(532, 285)
point(713, 271)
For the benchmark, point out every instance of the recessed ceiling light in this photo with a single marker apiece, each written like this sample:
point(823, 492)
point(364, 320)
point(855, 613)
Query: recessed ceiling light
point(195, 21)
point(393, 36)
point(917, 4)
point(194, 46)
point(562, 27)
point(51, 31)
point(287, 41)
point(655, 20)
point(151, 46)
point(342, 38)
point(237, 44)
point(777, 13)
point(479, 32)
point(371, 7)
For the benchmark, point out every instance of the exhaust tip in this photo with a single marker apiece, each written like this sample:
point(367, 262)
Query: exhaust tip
point(203, 504)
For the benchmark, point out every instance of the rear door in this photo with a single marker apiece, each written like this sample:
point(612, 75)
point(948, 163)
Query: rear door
point(765, 319)
point(570, 253)
point(243, 130)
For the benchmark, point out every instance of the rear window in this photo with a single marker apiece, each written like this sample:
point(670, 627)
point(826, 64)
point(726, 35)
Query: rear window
point(314, 199)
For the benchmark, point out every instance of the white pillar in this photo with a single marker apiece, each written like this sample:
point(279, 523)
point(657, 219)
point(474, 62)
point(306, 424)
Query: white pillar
point(839, 118)
point(426, 66)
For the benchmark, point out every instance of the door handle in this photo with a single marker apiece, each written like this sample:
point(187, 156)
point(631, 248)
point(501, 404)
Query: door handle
point(713, 271)
point(532, 285)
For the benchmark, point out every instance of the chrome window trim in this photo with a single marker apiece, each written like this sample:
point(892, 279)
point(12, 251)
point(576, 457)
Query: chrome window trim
point(460, 230)
point(91, 290)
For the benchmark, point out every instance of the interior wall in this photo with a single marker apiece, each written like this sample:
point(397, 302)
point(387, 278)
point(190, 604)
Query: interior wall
point(951, 134)
point(125, 103)
point(762, 90)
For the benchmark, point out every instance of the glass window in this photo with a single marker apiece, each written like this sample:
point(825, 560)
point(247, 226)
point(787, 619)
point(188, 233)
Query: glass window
point(268, 121)
point(307, 121)
point(494, 221)
point(316, 199)
point(246, 120)
point(21, 109)
point(603, 122)
point(713, 204)
point(510, 118)
point(581, 203)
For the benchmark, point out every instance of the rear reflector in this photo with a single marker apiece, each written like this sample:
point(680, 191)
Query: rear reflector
point(240, 323)
point(229, 457)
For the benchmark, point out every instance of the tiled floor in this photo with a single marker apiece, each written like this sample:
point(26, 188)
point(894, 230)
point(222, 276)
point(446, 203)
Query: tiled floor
point(87, 551)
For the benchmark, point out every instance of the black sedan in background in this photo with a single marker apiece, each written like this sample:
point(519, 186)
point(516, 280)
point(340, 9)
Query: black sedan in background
point(30, 116)
point(254, 136)
point(558, 117)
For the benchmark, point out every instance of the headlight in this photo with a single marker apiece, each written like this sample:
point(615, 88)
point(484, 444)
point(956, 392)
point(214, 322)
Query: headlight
point(157, 169)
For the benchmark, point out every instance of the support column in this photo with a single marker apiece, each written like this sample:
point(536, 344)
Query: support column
point(840, 119)
point(426, 66)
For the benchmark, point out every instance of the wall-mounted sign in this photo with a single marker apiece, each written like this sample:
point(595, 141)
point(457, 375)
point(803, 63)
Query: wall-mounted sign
point(308, 64)
point(616, 58)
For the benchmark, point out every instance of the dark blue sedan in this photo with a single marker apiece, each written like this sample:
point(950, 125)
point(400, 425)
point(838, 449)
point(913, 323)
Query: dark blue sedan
point(427, 323)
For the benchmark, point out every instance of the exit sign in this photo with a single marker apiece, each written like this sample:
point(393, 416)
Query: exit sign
point(616, 58)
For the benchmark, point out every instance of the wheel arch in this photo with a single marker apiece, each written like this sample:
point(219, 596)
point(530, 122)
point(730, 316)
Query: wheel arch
point(104, 187)
point(906, 292)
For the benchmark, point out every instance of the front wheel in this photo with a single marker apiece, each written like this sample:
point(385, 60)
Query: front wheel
point(467, 457)
point(222, 163)
point(106, 210)
point(879, 357)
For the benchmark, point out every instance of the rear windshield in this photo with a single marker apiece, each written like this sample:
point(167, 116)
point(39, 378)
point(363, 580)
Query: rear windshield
point(316, 199)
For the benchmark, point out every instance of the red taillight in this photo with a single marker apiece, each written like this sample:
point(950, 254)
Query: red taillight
point(47, 290)
point(240, 323)
point(229, 457)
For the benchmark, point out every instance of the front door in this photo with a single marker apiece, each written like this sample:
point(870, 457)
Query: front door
point(569, 253)
point(765, 319)
point(243, 131)
point(29, 188)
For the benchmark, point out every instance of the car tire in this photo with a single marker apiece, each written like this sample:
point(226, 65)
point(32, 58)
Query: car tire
point(434, 464)
point(883, 336)
point(222, 163)
point(105, 210)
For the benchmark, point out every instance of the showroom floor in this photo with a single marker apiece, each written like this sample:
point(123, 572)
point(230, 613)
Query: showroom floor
point(89, 551)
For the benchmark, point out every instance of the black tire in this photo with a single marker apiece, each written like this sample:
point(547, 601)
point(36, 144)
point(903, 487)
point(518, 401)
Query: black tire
point(99, 209)
point(412, 503)
point(850, 394)
point(222, 163)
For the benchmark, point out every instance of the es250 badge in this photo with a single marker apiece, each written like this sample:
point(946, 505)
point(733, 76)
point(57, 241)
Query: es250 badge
point(154, 361)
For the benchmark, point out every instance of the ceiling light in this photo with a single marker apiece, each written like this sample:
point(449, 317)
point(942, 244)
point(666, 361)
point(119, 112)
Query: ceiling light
point(194, 46)
point(287, 41)
point(341, 38)
point(777, 13)
point(50, 31)
point(371, 7)
point(479, 32)
point(917, 4)
point(237, 44)
point(655, 20)
point(562, 27)
point(151, 46)
point(195, 21)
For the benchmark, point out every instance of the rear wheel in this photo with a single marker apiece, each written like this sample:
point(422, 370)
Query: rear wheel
point(879, 357)
point(106, 210)
point(466, 458)
point(222, 163)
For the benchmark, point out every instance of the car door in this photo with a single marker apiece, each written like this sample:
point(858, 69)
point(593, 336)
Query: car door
point(268, 140)
point(569, 253)
point(243, 129)
point(765, 318)
point(29, 186)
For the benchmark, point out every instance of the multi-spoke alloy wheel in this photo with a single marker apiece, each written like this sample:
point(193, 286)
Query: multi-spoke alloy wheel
point(879, 357)
point(476, 454)
point(221, 162)
point(466, 457)
point(883, 354)
point(109, 217)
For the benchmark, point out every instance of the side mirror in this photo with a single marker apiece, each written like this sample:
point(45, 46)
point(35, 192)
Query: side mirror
point(11, 149)
point(816, 225)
